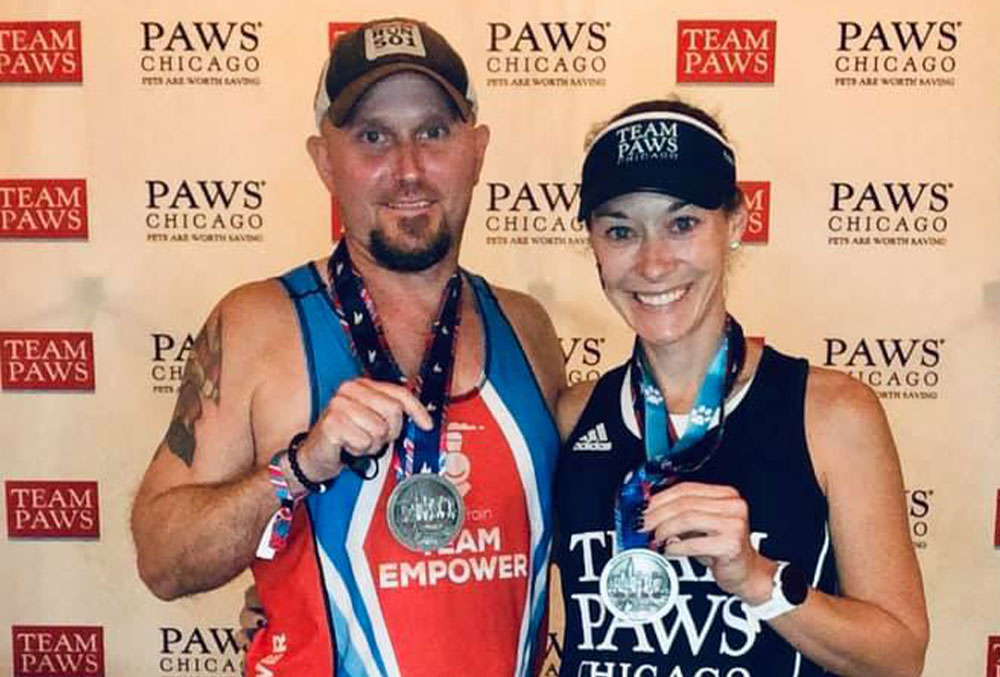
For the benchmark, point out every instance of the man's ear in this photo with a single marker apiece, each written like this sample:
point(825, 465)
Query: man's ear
point(318, 147)
point(481, 139)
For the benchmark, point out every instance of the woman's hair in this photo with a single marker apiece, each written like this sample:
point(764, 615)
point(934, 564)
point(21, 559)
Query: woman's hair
point(673, 105)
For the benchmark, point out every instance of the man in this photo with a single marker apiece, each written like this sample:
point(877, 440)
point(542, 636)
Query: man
point(295, 386)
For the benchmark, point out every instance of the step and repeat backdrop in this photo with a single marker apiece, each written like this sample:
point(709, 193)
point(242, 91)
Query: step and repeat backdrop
point(152, 156)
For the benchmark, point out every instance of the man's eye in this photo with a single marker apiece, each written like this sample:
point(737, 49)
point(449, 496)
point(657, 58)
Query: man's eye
point(436, 132)
point(371, 136)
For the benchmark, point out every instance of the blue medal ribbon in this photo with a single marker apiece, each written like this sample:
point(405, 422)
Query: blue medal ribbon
point(416, 450)
point(667, 456)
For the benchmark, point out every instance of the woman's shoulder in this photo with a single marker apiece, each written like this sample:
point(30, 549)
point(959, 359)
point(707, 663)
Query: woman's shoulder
point(573, 400)
point(838, 395)
point(845, 424)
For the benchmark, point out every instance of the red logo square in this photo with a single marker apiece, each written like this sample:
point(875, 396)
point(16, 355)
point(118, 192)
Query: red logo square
point(338, 28)
point(32, 360)
point(43, 209)
point(58, 651)
point(41, 51)
point(758, 201)
point(726, 51)
point(52, 509)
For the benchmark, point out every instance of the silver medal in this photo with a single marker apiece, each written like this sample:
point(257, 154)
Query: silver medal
point(425, 512)
point(638, 585)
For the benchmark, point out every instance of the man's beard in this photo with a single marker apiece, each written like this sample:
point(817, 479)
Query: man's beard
point(409, 261)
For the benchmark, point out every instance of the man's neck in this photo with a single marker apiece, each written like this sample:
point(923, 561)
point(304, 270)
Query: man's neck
point(422, 288)
point(407, 303)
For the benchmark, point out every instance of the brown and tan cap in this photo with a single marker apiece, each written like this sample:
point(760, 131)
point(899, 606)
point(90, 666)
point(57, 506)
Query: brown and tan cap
point(380, 48)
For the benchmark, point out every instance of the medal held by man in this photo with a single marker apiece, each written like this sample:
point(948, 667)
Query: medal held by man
point(425, 510)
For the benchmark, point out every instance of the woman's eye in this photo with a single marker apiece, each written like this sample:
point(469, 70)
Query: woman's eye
point(683, 224)
point(618, 233)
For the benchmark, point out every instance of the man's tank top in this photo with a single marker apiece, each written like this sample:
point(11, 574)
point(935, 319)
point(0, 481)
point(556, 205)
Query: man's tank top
point(708, 633)
point(345, 598)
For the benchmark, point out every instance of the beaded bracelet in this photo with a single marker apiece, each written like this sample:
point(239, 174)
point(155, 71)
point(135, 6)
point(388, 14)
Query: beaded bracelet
point(293, 461)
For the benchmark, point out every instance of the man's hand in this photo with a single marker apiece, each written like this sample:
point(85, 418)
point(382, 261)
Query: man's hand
point(362, 417)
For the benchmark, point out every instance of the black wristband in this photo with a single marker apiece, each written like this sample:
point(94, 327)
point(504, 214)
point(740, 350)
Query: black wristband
point(293, 461)
point(365, 467)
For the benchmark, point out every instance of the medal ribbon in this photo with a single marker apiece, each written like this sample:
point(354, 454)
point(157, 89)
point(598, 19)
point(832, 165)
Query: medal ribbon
point(667, 456)
point(416, 450)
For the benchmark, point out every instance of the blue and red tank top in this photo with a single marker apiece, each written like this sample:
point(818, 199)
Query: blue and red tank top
point(344, 598)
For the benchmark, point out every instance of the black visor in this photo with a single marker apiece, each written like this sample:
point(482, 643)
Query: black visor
point(659, 152)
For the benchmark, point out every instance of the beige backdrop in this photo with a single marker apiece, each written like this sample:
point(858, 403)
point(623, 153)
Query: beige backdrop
point(140, 131)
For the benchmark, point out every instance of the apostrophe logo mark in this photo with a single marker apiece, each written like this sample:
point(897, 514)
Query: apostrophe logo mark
point(52, 509)
point(726, 51)
point(40, 51)
point(58, 651)
point(758, 201)
point(46, 360)
point(335, 29)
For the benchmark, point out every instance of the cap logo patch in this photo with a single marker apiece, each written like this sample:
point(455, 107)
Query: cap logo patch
point(396, 37)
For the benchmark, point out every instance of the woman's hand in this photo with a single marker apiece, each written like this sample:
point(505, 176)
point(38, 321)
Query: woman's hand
point(710, 523)
point(252, 618)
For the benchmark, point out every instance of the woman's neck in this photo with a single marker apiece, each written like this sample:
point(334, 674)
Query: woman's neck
point(679, 367)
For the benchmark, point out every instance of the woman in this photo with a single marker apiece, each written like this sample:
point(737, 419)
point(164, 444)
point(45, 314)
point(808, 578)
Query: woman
point(782, 517)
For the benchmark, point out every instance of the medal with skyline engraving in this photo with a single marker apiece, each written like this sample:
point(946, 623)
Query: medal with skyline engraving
point(425, 512)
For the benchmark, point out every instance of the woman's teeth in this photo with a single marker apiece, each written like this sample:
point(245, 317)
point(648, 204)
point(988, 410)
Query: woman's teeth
point(662, 298)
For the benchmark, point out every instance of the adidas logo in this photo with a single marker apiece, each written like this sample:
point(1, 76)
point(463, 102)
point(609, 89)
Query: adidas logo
point(596, 439)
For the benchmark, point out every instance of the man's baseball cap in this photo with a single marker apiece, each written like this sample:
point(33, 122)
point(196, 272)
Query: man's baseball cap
point(380, 48)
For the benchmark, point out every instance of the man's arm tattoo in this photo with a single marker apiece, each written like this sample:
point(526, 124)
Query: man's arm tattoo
point(202, 379)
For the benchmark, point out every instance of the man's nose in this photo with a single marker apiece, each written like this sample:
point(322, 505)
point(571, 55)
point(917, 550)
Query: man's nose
point(408, 163)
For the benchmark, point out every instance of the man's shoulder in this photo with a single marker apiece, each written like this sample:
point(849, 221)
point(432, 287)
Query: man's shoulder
point(537, 334)
point(520, 307)
point(529, 318)
point(254, 301)
point(256, 316)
